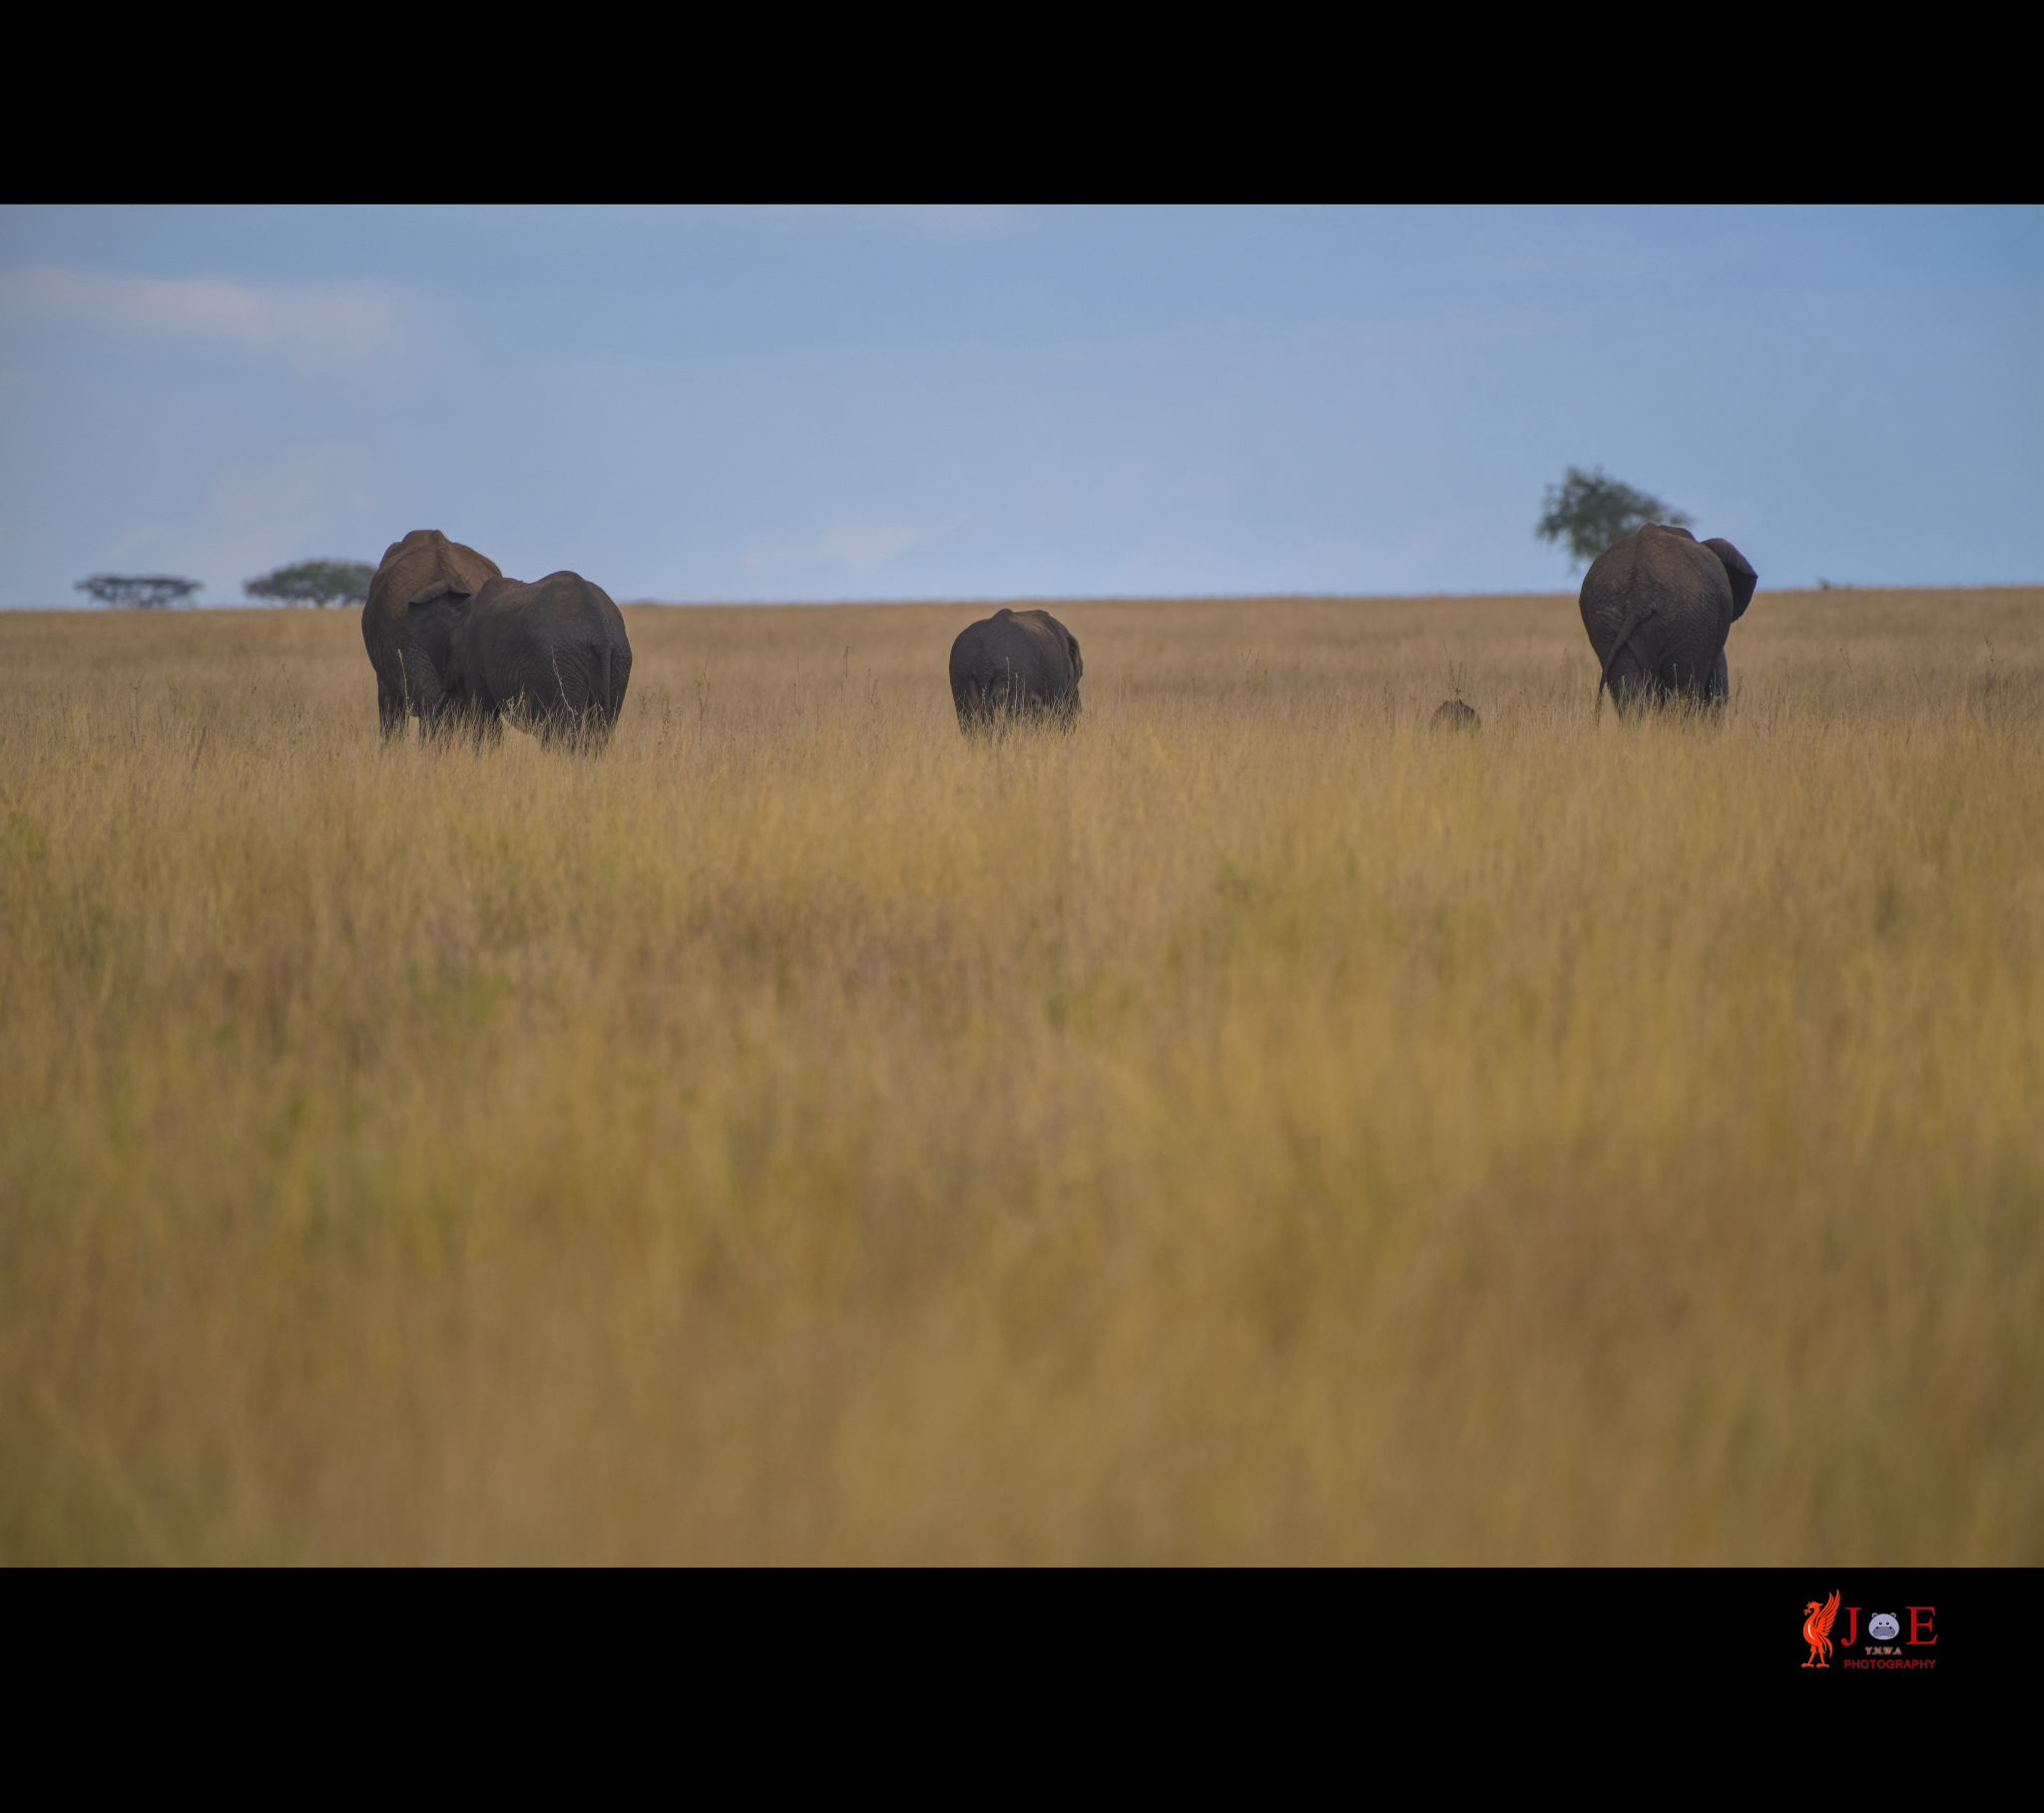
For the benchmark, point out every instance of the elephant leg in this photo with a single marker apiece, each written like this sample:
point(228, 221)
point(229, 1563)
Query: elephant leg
point(1635, 619)
point(1633, 689)
point(418, 691)
point(560, 718)
point(564, 726)
point(1690, 678)
point(1056, 712)
point(557, 722)
point(1721, 681)
point(975, 708)
point(433, 706)
point(1635, 680)
point(593, 724)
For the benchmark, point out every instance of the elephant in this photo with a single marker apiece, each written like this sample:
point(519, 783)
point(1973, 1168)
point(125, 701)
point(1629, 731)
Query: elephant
point(1455, 715)
point(552, 655)
point(1657, 607)
point(416, 602)
point(1015, 663)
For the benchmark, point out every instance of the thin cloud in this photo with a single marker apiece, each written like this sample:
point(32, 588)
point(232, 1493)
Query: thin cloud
point(321, 326)
point(858, 542)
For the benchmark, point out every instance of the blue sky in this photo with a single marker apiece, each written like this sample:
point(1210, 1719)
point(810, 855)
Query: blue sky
point(782, 404)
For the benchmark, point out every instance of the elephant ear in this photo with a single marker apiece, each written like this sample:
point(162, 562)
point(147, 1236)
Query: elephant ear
point(1737, 571)
point(1072, 646)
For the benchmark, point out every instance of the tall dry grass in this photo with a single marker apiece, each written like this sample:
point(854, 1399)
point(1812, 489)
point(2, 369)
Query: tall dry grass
point(1250, 1127)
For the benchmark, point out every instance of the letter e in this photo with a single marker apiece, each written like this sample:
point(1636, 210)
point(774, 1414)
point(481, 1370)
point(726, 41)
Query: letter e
point(1924, 1624)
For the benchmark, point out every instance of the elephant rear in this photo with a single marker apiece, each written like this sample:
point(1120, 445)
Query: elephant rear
point(1015, 663)
point(1657, 607)
point(552, 654)
point(410, 620)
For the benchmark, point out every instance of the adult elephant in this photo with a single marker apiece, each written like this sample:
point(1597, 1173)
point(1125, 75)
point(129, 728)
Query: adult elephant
point(551, 656)
point(1658, 605)
point(1015, 663)
point(416, 602)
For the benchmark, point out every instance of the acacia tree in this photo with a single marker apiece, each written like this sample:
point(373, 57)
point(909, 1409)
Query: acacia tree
point(1591, 511)
point(321, 582)
point(155, 592)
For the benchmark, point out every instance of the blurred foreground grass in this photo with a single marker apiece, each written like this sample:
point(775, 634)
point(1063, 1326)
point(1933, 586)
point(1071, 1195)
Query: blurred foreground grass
point(1248, 1128)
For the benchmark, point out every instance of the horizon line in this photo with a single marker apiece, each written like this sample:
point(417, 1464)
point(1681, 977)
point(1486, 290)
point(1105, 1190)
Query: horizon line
point(998, 599)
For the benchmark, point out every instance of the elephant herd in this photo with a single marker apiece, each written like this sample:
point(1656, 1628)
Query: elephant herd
point(453, 641)
point(451, 638)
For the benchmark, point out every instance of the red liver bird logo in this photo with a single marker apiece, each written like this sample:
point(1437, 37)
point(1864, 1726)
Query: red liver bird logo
point(1816, 1631)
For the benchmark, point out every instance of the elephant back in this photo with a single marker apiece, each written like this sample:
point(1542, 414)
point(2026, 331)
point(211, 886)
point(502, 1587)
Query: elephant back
point(559, 603)
point(424, 566)
point(558, 644)
point(1015, 659)
point(1659, 580)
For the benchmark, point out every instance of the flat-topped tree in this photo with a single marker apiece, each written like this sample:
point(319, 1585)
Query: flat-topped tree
point(154, 592)
point(1591, 512)
point(321, 582)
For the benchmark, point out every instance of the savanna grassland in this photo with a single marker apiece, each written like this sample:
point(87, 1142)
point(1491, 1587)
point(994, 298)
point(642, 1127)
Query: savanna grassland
point(1249, 1128)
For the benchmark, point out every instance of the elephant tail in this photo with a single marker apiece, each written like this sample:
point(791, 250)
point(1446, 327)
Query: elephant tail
point(1633, 618)
point(610, 710)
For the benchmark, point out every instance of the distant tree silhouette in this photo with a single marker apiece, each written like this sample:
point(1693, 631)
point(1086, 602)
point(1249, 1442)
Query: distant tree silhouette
point(321, 582)
point(1590, 511)
point(154, 593)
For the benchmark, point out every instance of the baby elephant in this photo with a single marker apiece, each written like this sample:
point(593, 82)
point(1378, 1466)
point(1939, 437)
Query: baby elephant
point(551, 656)
point(1015, 663)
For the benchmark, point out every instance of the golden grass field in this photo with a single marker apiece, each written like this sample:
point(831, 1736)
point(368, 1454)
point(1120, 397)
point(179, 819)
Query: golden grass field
point(1250, 1128)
